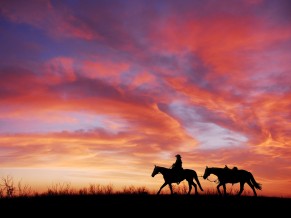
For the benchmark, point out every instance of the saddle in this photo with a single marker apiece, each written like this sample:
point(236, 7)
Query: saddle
point(178, 174)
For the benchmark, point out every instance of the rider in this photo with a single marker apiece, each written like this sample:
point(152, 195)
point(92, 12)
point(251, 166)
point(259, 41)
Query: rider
point(177, 166)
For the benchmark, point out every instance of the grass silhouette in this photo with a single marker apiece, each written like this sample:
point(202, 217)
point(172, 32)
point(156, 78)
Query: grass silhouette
point(142, 204)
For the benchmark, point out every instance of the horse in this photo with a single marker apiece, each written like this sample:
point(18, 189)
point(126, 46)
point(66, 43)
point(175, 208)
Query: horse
point(171, 177)
point(226, 175)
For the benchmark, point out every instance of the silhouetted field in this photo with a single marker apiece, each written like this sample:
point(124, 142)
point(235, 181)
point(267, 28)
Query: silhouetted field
point(140, 205)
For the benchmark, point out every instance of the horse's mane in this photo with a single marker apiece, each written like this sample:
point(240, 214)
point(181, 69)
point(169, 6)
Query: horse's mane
point(162, 167)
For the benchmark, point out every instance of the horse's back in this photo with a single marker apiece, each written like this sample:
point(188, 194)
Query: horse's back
point(232, 175)
point(245, 173)
point(236, 175)
point(190, 172)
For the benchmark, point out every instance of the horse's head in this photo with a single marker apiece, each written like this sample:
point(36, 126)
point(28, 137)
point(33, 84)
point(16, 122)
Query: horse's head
point(155, 171)
point(206, 173)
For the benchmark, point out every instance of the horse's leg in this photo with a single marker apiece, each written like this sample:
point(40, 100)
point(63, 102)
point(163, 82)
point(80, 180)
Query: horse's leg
point(171, 188)
point(195, 187)
point(162, 188)
point(224, 188)
point(190, 183)
point(218, 186)
point(241, 188)
point(190, 187)
point(253, 188)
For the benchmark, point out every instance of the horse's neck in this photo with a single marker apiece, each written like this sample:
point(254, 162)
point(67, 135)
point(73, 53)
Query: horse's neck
point(163, 169)
point(216, 170)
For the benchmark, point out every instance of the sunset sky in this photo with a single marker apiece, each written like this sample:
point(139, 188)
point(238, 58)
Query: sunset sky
point(101, 91)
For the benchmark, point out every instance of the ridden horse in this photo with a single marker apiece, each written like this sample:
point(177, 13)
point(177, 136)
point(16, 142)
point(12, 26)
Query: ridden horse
point(226, 175)
point(171, 177)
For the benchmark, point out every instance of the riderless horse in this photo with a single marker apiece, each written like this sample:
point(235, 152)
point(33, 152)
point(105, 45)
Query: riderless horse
point(171, 177)
point(226, 175)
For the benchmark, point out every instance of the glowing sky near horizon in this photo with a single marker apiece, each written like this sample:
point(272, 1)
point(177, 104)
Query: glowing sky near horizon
point(100, 91)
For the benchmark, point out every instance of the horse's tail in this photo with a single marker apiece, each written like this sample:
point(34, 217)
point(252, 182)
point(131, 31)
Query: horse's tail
point(197, 180)
point(257, 185)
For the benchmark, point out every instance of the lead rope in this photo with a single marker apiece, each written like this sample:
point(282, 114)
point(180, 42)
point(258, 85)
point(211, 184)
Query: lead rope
point(216, 181)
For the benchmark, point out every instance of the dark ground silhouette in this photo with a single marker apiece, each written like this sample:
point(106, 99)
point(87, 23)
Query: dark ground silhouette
point(141, 205)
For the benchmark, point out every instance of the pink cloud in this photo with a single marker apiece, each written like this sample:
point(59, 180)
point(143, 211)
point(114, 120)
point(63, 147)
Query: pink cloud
point(60, 70)
point(58, 22)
